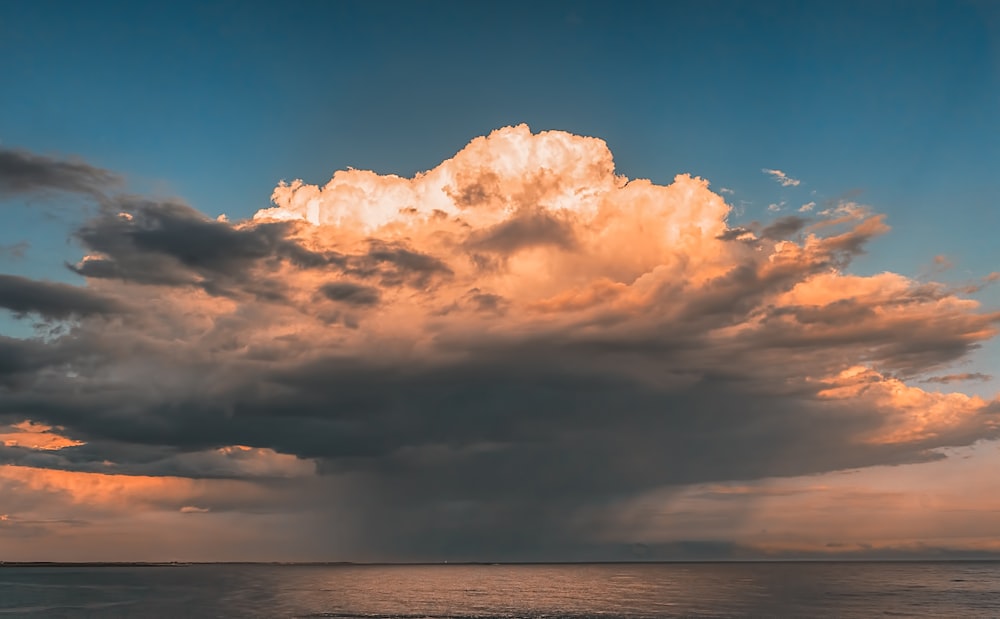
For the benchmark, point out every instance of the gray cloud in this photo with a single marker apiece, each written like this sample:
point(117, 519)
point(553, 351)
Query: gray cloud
point(393, 264)
point(22, 172)
point(955, 378)
point(351, 294)
point(528, 229)
point(783, 227)
point(51, 299)
point(18, 356)
point(168, 243)
point(738, 233)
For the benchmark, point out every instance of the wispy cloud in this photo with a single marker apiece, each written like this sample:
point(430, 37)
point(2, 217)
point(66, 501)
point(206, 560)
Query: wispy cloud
point(955, 378)
point(15, 251)
point(781, 177)
point(942, 263)
point(22, 172)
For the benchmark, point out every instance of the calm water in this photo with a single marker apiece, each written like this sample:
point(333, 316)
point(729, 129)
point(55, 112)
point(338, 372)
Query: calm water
point(844, 590)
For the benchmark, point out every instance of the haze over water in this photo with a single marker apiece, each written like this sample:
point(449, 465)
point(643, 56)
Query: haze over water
point(821, 589)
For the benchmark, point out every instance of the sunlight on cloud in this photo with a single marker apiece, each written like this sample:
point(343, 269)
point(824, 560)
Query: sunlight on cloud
point(604, 336)
point(37, 436)
point(783, 179)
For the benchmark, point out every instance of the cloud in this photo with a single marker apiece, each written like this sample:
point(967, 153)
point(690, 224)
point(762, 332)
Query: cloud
point(22, 172)
point(954, 378)
point(21, 357)
point(808, 206)
point(34, 436)
point(781, 177)
point(524, 231)
point(467, 362)
point(65, 516)
point(352, 294)
point(918, 511)
point(15, 251)
point(783, 227)
point(52, 299)
point(942, 263)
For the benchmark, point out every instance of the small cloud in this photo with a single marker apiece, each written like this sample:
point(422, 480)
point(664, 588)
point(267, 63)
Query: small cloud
point(774, 208)
point(988, 280)
point(726, 190)
point(955, 378)
point(847, 209)
point(15, 251)
point(783, 227)
point(192, 509)
point(808, 206)
point(942, 263)
point(781, 177)
point(737, 234)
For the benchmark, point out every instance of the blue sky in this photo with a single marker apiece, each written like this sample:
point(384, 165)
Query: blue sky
point(894, 105)
point(897, 99)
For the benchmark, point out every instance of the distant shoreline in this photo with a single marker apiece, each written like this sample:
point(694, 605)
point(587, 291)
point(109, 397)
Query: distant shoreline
point(4, 564)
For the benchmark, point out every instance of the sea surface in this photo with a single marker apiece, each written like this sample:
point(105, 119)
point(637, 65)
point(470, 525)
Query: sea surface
point(821, 589)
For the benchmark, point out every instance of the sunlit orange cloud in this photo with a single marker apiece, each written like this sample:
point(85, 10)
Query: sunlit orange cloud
point(529, 218)
point(910, 413)
point(162, 492)
point(34, 436)
point(539, 234)
point(131, 492)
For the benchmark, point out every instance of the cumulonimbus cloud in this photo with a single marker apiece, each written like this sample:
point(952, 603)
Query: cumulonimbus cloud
point(507, 338)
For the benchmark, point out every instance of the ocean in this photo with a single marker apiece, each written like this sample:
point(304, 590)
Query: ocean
point(788, 589)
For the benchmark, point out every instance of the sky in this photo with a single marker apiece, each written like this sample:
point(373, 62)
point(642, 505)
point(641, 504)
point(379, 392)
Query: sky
point(547, 281)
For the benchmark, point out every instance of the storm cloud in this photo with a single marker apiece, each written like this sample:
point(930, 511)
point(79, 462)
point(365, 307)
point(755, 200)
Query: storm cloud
point(480, 358)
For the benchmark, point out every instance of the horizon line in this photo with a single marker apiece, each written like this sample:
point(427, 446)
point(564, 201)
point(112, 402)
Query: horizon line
point(3, 564)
